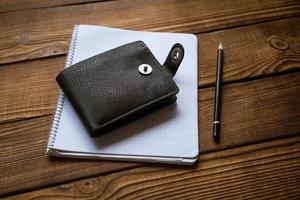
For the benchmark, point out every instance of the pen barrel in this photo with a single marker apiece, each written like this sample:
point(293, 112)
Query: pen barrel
point(218, 91)
point(218, 95)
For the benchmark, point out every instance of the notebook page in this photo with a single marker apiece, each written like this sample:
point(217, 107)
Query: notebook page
point(169, 132)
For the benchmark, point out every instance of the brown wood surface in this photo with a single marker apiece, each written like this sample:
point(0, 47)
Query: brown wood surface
point(15, 5)
point(46, 32)
point(258, 154)
point(243, 122)
point(251, 51)
point(248, 172)
point(250, 110)
point(32, 87)
point(25, 165)
point(264, 49)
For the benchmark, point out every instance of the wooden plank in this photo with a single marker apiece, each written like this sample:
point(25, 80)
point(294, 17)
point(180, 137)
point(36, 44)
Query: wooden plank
point(24, 164)
point(15, 5)
point(251, 51)
point(46, 32)
point(256, 53)
point(252, 111)
point(29, 89)
point(266, 171)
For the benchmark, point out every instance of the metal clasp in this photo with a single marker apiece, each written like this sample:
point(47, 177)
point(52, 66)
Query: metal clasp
point(145, 69)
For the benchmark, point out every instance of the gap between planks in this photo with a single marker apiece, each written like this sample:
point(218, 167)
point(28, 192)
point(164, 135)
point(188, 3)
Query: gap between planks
point(246, 166)
point(277, 116)
point(15, 5)
point(25, 38)
point(252, 52)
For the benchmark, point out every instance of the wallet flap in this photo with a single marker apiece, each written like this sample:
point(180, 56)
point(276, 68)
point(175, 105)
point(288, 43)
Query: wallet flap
point(174, 59)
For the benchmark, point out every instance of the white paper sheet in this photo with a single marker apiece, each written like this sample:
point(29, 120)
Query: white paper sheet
point(168, 135)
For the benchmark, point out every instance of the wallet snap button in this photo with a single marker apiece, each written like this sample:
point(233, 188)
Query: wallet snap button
point(145, 69)
point(176, 53)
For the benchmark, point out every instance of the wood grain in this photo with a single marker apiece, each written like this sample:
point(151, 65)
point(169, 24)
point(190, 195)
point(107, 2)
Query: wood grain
point(29, 89)
point(24, 164)
point(38, 33)
point(268, 170)
point(15, 5)
point(250, 52)
point(252, 111)
point(259, 152)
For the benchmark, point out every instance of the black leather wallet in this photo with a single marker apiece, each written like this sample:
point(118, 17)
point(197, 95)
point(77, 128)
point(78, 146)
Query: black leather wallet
point(120, 84)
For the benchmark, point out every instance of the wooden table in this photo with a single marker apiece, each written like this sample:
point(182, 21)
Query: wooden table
point(259, 151)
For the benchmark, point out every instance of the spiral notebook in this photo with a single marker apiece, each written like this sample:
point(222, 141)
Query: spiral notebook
point(169, 135)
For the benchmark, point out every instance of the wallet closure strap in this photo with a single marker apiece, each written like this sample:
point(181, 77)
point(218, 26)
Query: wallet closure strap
point(174, 59)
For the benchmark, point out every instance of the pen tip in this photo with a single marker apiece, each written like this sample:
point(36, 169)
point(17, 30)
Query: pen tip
point(220, 46)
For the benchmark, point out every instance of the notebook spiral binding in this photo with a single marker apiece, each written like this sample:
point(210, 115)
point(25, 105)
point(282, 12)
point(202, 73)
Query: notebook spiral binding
point(61, 96)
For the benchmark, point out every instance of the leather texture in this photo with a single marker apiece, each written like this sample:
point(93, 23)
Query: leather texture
point(108, 89)
point(174, 58)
